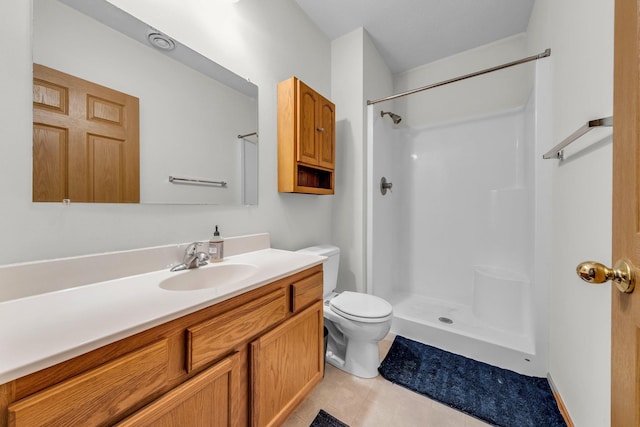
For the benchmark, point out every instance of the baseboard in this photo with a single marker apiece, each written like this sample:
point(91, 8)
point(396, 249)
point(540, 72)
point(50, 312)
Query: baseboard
point(560, 403)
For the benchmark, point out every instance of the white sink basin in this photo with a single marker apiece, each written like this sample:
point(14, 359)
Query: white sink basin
point(208, 277)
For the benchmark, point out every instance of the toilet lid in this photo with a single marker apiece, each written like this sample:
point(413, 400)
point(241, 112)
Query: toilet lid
point(355, 304)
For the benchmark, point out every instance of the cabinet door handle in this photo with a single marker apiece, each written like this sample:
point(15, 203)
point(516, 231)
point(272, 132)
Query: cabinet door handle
point(320, 129)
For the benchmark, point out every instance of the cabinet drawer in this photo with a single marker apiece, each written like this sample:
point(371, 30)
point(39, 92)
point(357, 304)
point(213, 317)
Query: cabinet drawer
point(306, 291)
point(209, 340)
point(98, 396)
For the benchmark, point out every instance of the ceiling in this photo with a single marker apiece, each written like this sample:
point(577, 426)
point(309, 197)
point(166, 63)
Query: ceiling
point(409, 33)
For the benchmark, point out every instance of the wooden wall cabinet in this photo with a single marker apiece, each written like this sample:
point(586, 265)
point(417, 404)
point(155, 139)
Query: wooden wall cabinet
point(249, 360)
point(306, 139)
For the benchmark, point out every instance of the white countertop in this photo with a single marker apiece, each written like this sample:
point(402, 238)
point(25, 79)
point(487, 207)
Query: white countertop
point(42, 330)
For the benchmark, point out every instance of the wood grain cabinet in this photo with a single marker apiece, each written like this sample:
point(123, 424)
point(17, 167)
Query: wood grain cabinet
point(99, 394)
point(306, 139)
point(209, 340)
point(249, 360)
point(286, 364)
point(208, 399)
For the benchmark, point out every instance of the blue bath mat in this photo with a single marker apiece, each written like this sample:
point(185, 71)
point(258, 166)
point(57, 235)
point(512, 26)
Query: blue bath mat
point(324, 419)
point(494, 395)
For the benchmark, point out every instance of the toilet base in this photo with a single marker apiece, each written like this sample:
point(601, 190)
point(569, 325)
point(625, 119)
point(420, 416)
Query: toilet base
point(362, 359)
point(352, 346)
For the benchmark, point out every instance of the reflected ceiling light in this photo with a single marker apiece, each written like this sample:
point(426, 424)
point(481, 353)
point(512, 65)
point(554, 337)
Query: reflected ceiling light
point(161, 41)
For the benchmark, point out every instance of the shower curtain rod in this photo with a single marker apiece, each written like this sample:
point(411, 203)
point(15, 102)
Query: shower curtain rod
point(544, 54)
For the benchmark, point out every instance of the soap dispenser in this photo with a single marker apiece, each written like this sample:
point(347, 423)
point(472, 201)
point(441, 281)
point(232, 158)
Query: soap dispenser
point(216, 247)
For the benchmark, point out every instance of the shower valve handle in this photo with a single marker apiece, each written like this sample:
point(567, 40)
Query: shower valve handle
point(622, 274)
point(385, 185)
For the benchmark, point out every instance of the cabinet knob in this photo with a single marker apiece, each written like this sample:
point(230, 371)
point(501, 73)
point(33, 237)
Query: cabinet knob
point(320, 129)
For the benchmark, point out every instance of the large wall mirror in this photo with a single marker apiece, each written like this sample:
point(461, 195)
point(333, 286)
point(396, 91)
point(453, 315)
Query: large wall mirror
point(198, 121)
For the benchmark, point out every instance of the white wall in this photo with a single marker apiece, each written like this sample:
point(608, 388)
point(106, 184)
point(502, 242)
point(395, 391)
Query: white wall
point(580, 35)
point(358, 73)
point(347, 220)
point(497, 91)
point(380, 222)
point(264, 41)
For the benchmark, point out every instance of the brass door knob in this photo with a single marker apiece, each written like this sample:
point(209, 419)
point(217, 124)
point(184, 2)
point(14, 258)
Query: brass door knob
point(622, 274)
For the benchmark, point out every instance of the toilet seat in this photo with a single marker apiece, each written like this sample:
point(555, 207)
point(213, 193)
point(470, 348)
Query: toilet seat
point(361, 307)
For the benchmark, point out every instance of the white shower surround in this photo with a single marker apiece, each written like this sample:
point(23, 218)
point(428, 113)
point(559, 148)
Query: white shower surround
point(464, 233)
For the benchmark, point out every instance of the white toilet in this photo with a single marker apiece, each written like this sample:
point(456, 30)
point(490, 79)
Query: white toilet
point(356, 321)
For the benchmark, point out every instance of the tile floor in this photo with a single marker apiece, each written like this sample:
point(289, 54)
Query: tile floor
point(375, 402)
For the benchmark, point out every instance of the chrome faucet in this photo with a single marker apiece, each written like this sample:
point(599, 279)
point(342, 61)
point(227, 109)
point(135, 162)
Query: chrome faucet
point(192, 257)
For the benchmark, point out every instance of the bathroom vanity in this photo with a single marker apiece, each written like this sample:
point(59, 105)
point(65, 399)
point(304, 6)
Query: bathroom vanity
point(245, 350)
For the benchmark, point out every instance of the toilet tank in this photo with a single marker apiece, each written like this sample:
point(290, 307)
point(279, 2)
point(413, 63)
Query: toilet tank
point(330, 269)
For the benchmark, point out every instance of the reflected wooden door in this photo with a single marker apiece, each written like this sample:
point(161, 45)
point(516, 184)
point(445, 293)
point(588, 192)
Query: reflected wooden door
point(625, 309)
point(85, 140)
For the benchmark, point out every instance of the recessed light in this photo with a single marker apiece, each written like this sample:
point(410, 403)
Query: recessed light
point(161, 41)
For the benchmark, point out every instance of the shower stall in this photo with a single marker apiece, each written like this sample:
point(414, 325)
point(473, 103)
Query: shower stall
point(458, 242)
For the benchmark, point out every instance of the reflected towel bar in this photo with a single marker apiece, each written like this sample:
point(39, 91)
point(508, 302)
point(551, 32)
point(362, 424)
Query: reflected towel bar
point(557, 151)
point(248, 134)
point(175, 179)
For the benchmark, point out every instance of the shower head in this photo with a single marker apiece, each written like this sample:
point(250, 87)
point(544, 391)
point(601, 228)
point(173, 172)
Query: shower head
point(396, 118)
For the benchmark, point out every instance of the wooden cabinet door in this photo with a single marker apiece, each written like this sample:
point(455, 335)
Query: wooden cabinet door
point(207, 400)
point(286, 363)
point(316, 128)
point(326, 134)
point(85, 140)
point(308, 102)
